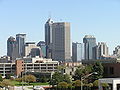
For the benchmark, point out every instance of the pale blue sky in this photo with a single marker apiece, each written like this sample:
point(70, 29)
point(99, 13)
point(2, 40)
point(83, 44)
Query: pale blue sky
point(100, 18)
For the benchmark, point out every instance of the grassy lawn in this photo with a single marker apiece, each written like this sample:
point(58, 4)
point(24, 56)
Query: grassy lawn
point(40, 83)
point(16, 83)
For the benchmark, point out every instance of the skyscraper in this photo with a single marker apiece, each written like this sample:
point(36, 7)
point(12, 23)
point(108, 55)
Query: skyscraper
point(100, 51)
point(61, 41)
point(28, 47)
point(89, 42)
point(48, 38)
point(20, 38)
point(12, 48)
point(57, 39)
point(77, 51)
point(42, 45)
point(103, 49)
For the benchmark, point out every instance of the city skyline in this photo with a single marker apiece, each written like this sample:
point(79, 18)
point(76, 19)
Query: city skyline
point(98, 18)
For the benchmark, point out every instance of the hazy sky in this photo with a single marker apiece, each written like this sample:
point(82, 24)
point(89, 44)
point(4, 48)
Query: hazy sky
point(100, 18)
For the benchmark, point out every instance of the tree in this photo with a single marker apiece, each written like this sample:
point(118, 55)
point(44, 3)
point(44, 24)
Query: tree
point(77, 83)
point(1, 79)
point(97, 67)
point(5, 83)
point(66, 78)
point(43, 79)
point(62, 85)
point(82, 71)
point(104, 85)
point(57, 77)
point(29, 78)
point(8, 76)
point(95, 83)
point(70, 86)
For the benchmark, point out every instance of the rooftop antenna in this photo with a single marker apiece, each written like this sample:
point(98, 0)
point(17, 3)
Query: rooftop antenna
point(49, 15)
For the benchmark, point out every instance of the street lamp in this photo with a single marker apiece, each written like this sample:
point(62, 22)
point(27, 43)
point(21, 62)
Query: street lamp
point(82, 78)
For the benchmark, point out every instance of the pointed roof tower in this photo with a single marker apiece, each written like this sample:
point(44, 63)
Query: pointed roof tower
point(49, 21)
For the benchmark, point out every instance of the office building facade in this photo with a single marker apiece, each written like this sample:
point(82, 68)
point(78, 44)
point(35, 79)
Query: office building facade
point(12, 48)
point(100, 51)
point(77, 51)
point(41, 66)
point(57, 38)
point(42, 45)
point(48, 38)
point(61, 47)
point(31, 49)
point(20, 38)
point(89, 42)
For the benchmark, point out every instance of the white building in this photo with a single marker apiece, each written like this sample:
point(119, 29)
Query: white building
point(113, 82)
point(37, 64)
point(28, 47)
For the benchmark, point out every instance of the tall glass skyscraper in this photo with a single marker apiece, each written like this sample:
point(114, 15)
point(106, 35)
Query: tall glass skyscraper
point(12, 48)
point(89, 42)
point(48, 38)
point(42, 45)
point(77, 52)
point(20, 38)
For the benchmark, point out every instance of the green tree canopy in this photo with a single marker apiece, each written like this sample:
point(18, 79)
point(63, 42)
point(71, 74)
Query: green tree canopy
point(62, 85)
point(82, 71)
point(77, 83)
point(95, 83)
point(97, 67)
point(58, 77)
point(29, 78)
point(5, 83)
point(1, 79)
point(66, 78)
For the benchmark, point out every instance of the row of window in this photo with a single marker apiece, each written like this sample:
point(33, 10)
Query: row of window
point(108, 70)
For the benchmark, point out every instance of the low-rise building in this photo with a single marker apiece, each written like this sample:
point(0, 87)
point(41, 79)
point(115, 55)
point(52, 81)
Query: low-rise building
point(70, 67)
point(20, 67)
point(111, 66)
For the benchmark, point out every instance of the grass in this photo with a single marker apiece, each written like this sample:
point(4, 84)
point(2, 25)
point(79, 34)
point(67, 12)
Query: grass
point(16, 83)
point(40, 83)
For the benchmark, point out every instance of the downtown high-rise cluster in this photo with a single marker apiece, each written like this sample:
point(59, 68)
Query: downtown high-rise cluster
point(45, 56)
point(57, 45)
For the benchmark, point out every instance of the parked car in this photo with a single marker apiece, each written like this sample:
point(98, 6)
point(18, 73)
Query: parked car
point(38, 88)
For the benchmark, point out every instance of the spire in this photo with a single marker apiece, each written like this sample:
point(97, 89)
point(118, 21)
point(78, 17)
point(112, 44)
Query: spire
point(50, 21)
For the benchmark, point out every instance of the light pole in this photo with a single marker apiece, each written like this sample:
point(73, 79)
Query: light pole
point(82, 78)
point(22, 81)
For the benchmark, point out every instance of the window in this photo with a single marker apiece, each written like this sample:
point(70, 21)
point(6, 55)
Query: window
point(43, 67)
point(111, 70)
point(50, 67)
point(43, 64)
point(70, 73)
point(50, 64)
point(105, 70)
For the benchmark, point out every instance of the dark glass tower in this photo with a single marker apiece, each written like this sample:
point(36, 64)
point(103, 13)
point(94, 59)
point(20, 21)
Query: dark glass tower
point(89, 42)
point(48, 38)
point(20, 38)
point(12, 48)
